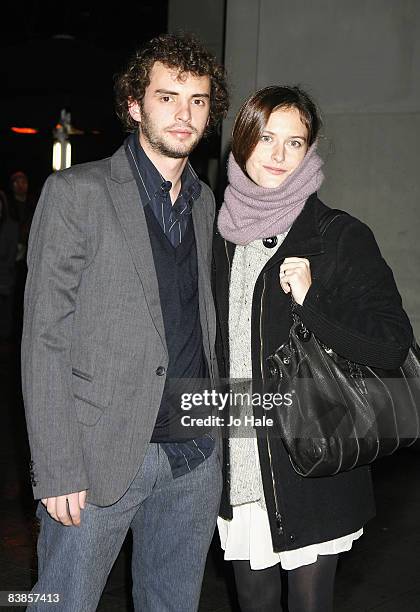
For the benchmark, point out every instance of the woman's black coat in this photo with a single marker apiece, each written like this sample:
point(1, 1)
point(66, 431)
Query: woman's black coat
point(354, 307)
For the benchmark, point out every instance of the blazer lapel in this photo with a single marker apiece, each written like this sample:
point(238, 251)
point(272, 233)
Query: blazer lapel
point(202, 238)
point(125, 198)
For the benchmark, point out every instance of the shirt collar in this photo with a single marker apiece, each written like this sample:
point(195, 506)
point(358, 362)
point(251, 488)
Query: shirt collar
point(153, 183)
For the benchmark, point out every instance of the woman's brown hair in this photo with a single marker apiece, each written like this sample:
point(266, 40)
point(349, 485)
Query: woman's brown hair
point(255, 113)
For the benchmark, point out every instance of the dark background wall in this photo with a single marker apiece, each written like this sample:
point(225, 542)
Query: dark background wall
point(64, 55)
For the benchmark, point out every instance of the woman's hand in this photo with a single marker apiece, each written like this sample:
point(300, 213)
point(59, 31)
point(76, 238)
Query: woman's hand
point(295, 277)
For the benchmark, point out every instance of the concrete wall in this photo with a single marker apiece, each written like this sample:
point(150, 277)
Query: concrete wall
point(361, 62)
point(204, 18)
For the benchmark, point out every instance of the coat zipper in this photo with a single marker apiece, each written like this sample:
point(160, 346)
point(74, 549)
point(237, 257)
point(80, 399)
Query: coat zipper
point(229, 262)
point(228, 453)
point(279, 525)
point(229, 275)
point(276, 503)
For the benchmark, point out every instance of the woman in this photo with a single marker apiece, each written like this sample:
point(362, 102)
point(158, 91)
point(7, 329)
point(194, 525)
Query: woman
point(268, 249)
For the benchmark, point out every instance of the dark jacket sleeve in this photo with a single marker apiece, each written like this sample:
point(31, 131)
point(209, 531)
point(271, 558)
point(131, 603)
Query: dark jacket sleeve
point(358, 311)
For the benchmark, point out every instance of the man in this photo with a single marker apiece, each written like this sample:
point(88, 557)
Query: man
point(118, 303)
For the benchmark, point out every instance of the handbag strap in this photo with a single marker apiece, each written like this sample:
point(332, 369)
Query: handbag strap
point(328, 217)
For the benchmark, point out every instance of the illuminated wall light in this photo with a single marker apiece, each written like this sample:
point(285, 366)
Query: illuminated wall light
point(68, 154)
point(24, 130)
point(57, 156)
point(61, 155)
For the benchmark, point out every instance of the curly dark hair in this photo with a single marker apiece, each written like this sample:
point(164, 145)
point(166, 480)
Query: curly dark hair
point(182, 52)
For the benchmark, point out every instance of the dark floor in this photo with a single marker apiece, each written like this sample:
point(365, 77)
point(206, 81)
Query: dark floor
point(381, 573)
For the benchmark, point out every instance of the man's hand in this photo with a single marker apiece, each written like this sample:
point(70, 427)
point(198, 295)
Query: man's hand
point(66, 508)
point(295, 276)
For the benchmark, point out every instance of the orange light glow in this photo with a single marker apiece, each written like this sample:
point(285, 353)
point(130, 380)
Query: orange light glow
point(24, 130)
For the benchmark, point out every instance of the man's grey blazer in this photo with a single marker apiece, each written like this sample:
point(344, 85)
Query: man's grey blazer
point(93, 336)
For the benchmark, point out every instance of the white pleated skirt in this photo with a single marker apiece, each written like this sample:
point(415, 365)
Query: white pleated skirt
point(247, 537)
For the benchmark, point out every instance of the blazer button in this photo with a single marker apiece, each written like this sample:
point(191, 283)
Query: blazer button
point(160, 371)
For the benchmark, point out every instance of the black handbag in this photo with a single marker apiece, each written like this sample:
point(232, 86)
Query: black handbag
point(336, 414)
point(341, 415)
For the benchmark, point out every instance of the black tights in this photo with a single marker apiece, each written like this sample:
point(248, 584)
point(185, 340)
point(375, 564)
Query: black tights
point(310, 587)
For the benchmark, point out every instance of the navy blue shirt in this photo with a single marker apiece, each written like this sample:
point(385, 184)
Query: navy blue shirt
point(154, 192)
point(173, 220)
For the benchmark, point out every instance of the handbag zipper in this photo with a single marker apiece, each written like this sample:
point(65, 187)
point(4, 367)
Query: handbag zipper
point(279, 525)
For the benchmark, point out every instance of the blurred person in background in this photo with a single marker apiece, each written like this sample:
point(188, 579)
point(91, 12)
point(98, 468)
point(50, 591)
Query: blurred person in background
point(9, 236)
point(21, 209)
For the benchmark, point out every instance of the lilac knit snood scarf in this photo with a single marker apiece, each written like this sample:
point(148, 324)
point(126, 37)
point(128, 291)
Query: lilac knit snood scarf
point(251, 212)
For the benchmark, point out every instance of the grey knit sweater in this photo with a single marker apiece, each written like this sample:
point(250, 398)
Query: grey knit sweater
point(248, 261)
